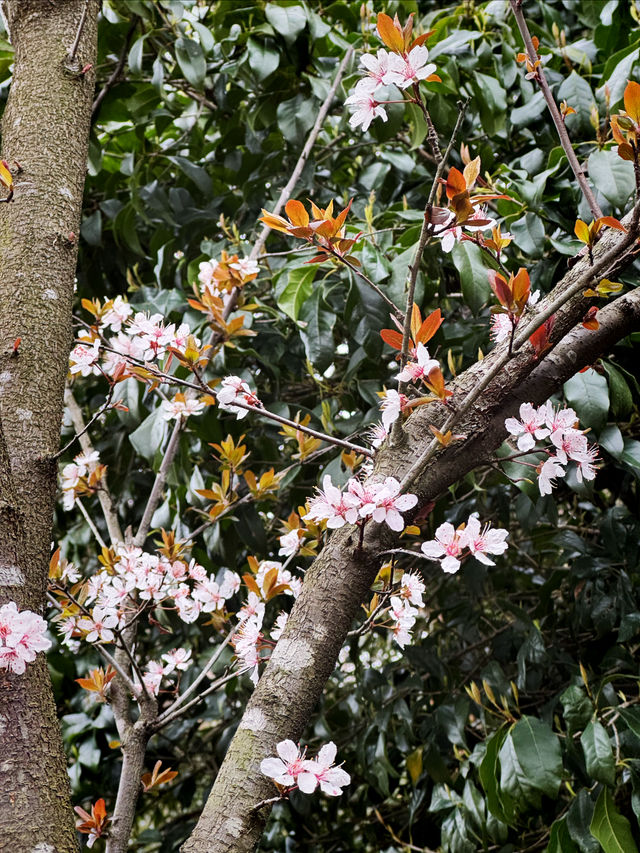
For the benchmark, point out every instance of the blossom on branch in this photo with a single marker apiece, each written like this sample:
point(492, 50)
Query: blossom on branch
point(291, 769)
point(233, 390)
point(22, 636)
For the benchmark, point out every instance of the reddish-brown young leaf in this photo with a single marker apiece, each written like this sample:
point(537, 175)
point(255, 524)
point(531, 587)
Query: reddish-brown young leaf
point(391, 36)
point(391, 337)
point(632, 101)
point(430, 326)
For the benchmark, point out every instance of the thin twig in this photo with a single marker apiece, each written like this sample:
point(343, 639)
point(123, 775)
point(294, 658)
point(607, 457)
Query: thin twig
point(220, 682)
point(158, 485)
point(516, 6)
point(117, 71)
point(354, 269)
point(90, 524)
point(104, 495)
point(196, 683)
point(106, 405)
point(74, 48)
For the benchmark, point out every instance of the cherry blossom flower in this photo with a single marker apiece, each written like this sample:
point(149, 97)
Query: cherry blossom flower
point(233, 390)
point(290, 543)
point(177, 659)
point(392, 403)
point(405, 71)
point(501, 327)
point(22, 636)
point(246, 267)
point(420, 368)
point(530, 427)
point(449, 544)
point(390, 503)
point(377, 435)
point(99, 625)
point(366, 106)
point(246, 643)
point(206, 275)
point(412, 588)
point(286, 769)
point(84, 359)
point(484, 540)
point(377, 68)
point(115, 316)
point(322, 768)
point(547, 472)
point(404, 617)
point(181, 407)
point(279, 625)
point(332, 506)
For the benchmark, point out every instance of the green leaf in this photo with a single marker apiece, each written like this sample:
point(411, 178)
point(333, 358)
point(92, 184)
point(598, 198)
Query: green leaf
point(135, 55)
point(611, 440)
point(470, 263)
point(528, 235)
point(263, 60)
point(612, 176)
point(610, 828)
point(588, 394)
point(631, 716)
point(287, 21)
point(598, 756)
point(293, 290)
point(492, 102)
point(538, 752)
point(619, 391)
point(489, 774)
point(578, 819)
point(317, 334)
point(191, 60)
point(296, 118)
point(631, 453)
point(617, 71)
point(559, 839)
point(149, 436)
point(577, 93)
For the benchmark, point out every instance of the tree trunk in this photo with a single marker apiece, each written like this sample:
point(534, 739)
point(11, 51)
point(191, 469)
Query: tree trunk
point(341, 576)
point(45, 129)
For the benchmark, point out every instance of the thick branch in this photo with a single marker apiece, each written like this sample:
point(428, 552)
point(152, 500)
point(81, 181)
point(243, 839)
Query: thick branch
point(341, 576)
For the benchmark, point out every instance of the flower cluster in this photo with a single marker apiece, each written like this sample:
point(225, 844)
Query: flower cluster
point(131, 579)
point(220, 277)
point(81, 477)
point(176, 660)
point(181, 406)
point(402, 611)
point(382, 502)
point(403, 65)
point(293, 770)
point(568, 443)
point(451, 545)
point(22, 636)
point(141, 337)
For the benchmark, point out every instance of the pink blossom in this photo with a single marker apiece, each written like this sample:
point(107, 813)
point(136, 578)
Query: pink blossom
point(285, 769)
point(449, 543)
point(332, 506)
point(530, 426)
point(245, 267)
point(22, 636)
point(177, 659)
point(181, 407)
point(405, 71)
point(367, 108)
point(569, 444)
point(279, 625)
point(233, 390)
point(389, 504)
point(290, 543)
point(392, 403)
point(323, 771)
point(114, 317)
point(420, 368)
point(404, 617)
point(206, 276)
point(99, 625)
point(484, 540)
point(376, 67)
point(412, 589)
point(84, 359)
point(501, 327)
point(547, 472)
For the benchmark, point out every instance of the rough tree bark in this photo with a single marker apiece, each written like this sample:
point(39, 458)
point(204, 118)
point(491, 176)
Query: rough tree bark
point(341, 576)
point(45, 129)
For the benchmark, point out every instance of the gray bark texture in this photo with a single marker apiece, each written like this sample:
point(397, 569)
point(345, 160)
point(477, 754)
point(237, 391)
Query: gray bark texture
point(341, 576)
point(45, 129)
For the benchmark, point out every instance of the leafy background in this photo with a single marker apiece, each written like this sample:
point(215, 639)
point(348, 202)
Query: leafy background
point(513, 721)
